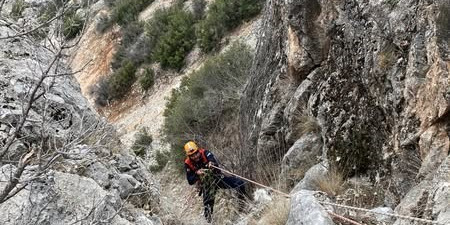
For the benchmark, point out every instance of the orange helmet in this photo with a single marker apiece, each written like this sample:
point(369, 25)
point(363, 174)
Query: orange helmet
point(190, 148)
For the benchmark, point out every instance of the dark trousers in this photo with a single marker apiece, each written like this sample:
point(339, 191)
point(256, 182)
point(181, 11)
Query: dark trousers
point(223, 182)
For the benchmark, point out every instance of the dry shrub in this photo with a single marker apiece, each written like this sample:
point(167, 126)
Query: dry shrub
point(302, 124)
point(331, 183)
point(276, 212)
point(307, 124)
point(361, 193)
point(387, 57)
point(293, 176)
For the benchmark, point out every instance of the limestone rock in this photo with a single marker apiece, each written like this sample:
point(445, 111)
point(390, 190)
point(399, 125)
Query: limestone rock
point(301, 156)
point(309, 181)
point(306, 210)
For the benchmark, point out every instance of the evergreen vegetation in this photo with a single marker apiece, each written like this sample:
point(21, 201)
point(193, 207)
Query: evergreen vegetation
point(223, 16)
point(123, 12)
point(72, 24)
point(115, 86)
point(174, 44)
point(142, 141)
point(205, 96)
point(148, 79)
point(17, 8)
point(161, 161)
point(168, 37)
point(120, 82)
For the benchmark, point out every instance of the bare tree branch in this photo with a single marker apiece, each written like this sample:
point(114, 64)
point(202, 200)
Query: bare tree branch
point(27, 109)
point(14, 180)
point(35, 28)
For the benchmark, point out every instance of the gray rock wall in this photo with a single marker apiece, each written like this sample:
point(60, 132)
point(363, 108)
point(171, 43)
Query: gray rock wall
point(90, 178)
point(372, 75)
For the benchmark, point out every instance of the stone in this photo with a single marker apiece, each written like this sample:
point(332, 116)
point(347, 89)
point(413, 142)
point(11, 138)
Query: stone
point(306, 210)
point(381, 219)
point(301, 156)
point(309, 181)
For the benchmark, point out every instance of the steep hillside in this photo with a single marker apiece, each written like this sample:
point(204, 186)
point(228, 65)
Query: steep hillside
point(346, 104)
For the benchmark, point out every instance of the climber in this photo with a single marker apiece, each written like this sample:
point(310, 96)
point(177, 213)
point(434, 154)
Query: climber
point(199, 171)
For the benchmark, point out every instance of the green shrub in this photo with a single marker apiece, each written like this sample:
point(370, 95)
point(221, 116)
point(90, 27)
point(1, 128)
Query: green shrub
point(142, 141)
point(198, 8)
point(129, 48)
point(148, 79)
point(126, 11)
point(100, 91)
point(391, 3)
point(156, 27)
point(120, 81)
point(72, 24)
point(208, 94)
point(50, 9)
point(123, 12)
point(161, 161)
point(17, 8)
point(174, 44)
point(223, 16)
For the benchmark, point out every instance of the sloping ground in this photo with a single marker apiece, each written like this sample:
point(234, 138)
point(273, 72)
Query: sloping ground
point(158, 4)
point(95, 50)
point(149, 112)
point(136, 112)
point(179, 201)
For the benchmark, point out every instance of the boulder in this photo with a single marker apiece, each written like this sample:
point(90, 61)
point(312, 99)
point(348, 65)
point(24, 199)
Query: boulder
point(306, 210)
point(309, 181)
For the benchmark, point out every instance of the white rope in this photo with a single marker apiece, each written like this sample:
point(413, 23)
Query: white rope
point(254, 182)
point(335, 204)
point(381, 213)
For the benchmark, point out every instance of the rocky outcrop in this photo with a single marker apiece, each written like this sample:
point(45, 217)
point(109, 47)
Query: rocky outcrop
point(305, 152)
point(77, 171)
point(373, 75)
point(429, 199)
point(306, 209)
point(59, 109)
point(84, 189)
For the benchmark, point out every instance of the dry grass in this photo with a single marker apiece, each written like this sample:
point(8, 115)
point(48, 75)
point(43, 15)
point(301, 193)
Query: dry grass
point(386, 57)
point(293, 176)
point(361, 193)
point(331, 183)
point(306, 124)
point(276, 213)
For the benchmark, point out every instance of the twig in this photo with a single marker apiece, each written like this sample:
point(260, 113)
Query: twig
point(14, 180)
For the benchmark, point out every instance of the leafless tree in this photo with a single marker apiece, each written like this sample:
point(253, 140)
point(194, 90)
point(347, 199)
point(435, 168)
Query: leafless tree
point(45, 150)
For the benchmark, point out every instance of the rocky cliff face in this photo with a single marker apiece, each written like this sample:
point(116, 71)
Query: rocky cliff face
point(76, 171)
point(371, 78)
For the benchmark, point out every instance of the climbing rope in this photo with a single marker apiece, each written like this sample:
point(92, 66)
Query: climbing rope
point(254, 182)
point(334, 204)
point(381, 213)
point(343, 218)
